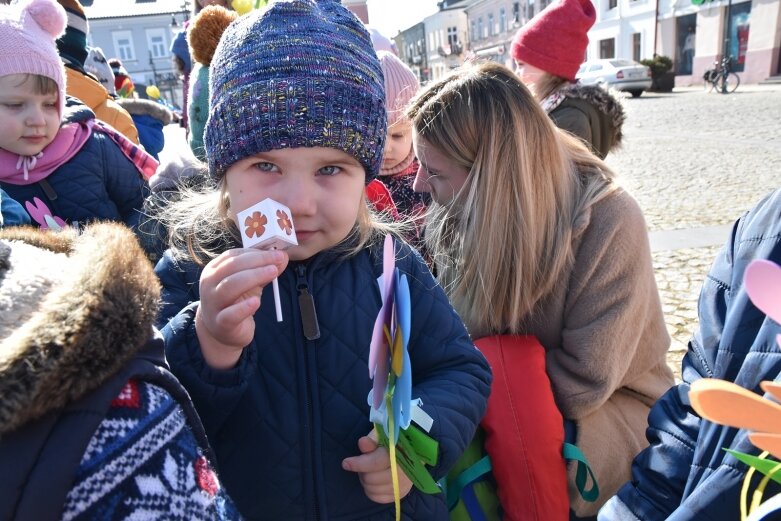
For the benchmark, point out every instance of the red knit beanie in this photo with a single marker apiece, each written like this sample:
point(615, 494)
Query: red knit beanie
point(556, 39)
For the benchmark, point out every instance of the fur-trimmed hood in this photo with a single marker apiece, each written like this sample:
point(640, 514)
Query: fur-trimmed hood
point(73, 310)
point(145, 107)
point(606, 101)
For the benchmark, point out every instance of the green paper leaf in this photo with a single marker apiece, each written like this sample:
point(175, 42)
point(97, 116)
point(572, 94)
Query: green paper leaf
point(424, 445)
point(765, 466)
point(410, 461)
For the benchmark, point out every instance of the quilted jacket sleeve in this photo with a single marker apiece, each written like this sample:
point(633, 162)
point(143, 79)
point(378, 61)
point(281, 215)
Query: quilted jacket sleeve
point(180, 287)
point(124, 184)
point(450, 375)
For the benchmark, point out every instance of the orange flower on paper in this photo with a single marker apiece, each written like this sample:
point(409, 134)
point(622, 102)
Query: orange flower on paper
point(256, 224)
point(284, 222)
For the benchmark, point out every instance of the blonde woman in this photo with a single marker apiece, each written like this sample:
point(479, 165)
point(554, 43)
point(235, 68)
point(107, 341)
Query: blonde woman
point(531, 235)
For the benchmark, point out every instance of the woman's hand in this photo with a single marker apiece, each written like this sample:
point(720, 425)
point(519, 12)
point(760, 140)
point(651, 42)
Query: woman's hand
point(230, 288)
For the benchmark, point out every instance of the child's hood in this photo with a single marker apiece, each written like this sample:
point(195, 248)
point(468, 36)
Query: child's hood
point(205, 32)
point(73, 310)
point(76, 111)
point(146, 107)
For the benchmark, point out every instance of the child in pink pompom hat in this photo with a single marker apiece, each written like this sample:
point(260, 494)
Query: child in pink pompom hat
point(399, 165)
point(63, 165)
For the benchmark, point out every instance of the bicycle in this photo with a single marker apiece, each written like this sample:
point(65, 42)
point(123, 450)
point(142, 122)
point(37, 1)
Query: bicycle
point(721, 77)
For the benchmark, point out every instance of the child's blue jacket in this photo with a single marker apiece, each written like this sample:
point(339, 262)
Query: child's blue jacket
point(685, 474)
point(285, 417)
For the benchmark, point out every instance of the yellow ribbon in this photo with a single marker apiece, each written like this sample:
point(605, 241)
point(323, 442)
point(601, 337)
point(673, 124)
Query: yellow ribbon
point(393, 465)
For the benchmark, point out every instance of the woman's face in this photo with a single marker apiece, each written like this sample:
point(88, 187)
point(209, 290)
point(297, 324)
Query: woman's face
point(529, 74)
point(438, 175)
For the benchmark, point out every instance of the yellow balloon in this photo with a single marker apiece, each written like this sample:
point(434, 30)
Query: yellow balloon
point(153, 92)
point(242, 6)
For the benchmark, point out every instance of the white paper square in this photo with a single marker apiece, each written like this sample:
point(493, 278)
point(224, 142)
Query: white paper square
point(267, 225)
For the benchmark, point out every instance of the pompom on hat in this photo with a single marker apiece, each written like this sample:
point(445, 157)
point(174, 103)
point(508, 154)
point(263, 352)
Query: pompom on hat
point(27, 34)
point(301, 74)
point(401, 85)
point(556, 39)
point(72, 45)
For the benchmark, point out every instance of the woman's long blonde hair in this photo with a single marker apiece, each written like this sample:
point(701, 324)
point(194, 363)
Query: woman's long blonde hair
point(506, 239)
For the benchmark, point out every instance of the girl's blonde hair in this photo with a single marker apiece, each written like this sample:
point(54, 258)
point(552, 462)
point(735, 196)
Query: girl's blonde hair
point(200, 226)
point(506, 239)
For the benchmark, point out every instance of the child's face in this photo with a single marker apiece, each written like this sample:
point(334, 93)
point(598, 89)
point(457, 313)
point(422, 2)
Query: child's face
point(398, 143)
point(30, 121)
point(323, 187)
point(529, 74)
point(206, 3)
point(438, 174)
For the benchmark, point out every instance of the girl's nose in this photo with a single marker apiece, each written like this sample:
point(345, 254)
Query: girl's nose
point(421, 181)
point(299, 197)
point(34, 117)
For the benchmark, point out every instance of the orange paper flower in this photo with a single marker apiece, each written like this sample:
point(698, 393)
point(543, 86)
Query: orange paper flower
point(256, 224)
point(284, 222)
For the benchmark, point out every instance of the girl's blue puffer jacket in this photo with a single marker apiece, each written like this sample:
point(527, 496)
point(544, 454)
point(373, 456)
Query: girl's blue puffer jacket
point(283, 420)
point(685, 474)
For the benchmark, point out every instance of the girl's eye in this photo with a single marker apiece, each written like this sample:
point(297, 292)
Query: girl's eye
point(329, 170)
point(264, 166)
point(12, 105)
point(52, 105)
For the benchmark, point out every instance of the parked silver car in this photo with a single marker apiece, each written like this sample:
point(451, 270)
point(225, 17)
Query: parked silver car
point(620, 74)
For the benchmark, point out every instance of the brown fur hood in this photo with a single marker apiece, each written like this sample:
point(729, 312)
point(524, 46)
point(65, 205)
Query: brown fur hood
point(146, 107)
point(73, 310)
point(607, 101)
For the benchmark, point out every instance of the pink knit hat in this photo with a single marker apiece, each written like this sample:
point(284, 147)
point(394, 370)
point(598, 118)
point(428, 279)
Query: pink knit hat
point(27, 35)
point(400, 85)
point(556, 39)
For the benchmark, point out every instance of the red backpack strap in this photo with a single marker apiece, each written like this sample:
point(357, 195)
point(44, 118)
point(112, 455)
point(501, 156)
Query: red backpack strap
point(524, 431)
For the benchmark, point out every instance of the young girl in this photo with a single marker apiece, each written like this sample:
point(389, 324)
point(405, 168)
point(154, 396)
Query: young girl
point(398, 162)
point(548, 51)
point(531, 236)
point(297, 115)
point(62, 165)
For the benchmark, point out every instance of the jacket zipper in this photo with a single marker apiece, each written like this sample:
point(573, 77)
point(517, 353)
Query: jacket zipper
point(306, 306)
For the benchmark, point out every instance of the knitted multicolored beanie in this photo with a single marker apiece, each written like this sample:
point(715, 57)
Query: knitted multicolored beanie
point(302, 74)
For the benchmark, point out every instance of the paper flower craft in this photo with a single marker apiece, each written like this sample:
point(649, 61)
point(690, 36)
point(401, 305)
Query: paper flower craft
point(255, 224)
point(729, 404)
point(284, 222)
point(392, 406)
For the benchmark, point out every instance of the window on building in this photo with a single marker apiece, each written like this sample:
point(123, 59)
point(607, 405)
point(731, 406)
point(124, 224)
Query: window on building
point(420, 46)
point(491, 26)
point(473, 31)
point(529, 9)
point(480, 28)
point(452, 35)
point(123, 45)
point(544, 4)
point(607, 48)
point(502, 20)
point(156, 42)
point(516, 12)
point(612, 4)
point(637, 46)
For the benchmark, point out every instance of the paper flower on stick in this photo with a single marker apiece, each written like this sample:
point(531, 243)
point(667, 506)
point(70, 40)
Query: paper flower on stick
point(729, 404)
point(392, 406)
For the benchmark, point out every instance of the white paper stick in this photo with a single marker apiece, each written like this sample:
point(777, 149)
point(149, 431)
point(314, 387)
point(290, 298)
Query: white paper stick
point(277, 302)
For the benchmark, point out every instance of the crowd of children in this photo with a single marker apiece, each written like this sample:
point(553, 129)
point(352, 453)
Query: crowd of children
point(197, 391)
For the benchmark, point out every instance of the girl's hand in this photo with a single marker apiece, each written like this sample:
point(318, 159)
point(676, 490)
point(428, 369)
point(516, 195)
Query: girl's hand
point(230, 287)
point(373, 468)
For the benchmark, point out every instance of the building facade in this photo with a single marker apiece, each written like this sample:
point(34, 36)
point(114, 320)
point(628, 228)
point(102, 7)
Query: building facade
point(492, 26)
point(139, 33)
point(693, 33)
point(446, 38)
point(411, 46)
point(359, 9)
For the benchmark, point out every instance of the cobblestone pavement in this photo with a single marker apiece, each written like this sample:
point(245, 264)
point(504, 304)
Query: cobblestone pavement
point(692, 160)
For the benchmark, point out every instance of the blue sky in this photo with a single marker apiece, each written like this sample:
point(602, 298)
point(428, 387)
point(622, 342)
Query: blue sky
point(391, 16)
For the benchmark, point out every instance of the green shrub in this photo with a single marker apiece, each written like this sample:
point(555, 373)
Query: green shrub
point(659, 65)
